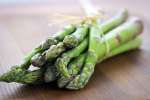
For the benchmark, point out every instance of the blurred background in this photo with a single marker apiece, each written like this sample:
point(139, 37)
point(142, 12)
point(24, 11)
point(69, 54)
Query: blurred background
point(49, 6)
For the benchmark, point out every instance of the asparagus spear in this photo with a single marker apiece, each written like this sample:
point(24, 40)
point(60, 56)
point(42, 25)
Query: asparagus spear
point(17, 74)
point(74, 39)
point(114, 21)
point(59, 36)
point(110, 41)
point(131, 45)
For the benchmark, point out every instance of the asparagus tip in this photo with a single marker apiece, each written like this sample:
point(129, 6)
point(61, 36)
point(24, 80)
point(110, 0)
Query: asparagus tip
point(61, 67)
point(3, 78)
point(70, 41)
point(37, 60)
point(11, 75)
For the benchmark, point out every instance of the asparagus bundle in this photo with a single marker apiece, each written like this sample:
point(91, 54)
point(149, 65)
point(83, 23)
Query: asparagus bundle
point(70, 55)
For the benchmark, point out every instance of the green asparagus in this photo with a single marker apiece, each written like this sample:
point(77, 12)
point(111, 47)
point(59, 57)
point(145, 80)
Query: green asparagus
point(17, 74)
point(70, 55)
point(74, 68)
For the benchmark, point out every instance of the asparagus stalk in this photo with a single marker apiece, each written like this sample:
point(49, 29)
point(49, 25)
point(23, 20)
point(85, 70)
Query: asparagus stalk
point(115, 21)
point(131, 45)
point(69, 29)
point(17, 74)
point(74, 39)
point(98, 48)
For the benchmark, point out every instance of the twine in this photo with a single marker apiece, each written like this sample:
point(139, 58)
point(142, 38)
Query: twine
point(59, 18)
point(106, 43)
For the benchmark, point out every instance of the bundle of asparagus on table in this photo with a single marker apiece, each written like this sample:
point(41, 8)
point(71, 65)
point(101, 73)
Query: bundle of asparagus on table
point(69, 57)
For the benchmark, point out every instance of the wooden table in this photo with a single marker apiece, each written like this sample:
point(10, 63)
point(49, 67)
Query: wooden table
point(124, 77)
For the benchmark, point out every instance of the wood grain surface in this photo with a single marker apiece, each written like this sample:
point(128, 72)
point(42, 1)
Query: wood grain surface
point(124, 77)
